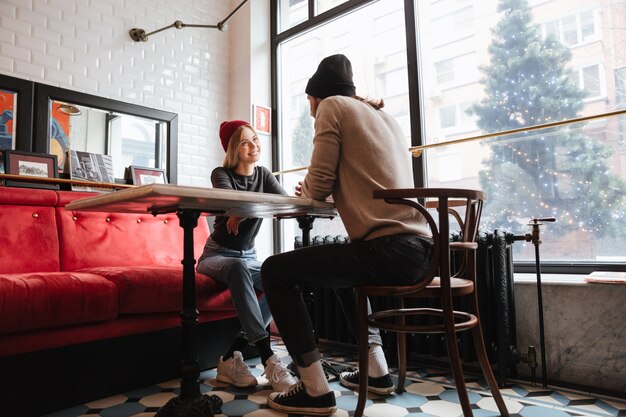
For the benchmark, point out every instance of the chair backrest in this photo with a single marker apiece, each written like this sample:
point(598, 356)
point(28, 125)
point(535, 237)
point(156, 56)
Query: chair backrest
point(448, 202)
point(467, 213)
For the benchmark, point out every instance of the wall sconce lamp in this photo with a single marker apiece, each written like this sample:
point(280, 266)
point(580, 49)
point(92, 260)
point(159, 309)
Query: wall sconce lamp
point(69, 109)
point(140, 35)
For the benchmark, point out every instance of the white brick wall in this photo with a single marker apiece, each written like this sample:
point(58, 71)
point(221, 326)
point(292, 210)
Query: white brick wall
point(83, 45)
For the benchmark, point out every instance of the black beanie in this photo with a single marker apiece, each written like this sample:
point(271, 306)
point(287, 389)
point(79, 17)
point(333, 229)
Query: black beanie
point(332, 78)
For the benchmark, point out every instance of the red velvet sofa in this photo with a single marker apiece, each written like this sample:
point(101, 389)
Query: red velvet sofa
point(90, 302)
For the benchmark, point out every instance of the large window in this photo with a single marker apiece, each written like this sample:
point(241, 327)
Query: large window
point(373, 38)
point(482, 70)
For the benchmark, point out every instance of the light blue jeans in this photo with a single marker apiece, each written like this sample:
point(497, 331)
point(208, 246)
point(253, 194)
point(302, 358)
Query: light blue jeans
point(241, 272)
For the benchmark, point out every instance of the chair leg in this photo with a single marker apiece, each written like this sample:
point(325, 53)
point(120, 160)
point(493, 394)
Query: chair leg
point(481, 353)
point(363, 348)
point(401, 340)
point(455, 361)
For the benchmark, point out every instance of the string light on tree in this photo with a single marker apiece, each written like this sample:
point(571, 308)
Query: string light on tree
point(563, 173)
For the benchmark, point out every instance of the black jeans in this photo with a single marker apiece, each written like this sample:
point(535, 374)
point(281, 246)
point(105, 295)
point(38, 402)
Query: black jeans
point(389, 260)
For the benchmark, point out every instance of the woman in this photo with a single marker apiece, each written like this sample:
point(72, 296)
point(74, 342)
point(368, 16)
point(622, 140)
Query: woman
point(230, 257)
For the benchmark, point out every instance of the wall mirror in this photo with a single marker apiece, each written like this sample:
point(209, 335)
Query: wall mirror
point(130, 134)
point(16, 115)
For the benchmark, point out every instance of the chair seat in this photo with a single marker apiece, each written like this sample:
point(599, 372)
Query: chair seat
point(459, 287)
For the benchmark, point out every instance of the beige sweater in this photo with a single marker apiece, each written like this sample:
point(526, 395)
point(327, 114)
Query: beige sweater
point(356, 150)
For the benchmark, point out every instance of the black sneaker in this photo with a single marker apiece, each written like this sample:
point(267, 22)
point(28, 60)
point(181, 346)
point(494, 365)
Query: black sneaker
point(330, 370)
point(382, 385)
point(293, 369)
point(297, 401)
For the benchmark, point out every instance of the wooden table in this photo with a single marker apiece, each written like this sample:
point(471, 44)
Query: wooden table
point(188, 203)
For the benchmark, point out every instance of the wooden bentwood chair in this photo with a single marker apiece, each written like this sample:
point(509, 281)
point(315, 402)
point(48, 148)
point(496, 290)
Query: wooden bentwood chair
point(465, 207)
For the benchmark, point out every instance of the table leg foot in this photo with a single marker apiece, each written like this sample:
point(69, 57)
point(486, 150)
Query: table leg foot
point(202, 406)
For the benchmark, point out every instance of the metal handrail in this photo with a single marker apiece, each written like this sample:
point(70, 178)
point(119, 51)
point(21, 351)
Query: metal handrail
point(416, 151)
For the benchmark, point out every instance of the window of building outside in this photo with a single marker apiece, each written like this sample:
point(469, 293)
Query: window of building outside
point(373, 38)
point(484, 70)
point(591, 81)
point(560, 60)
point(574, 29)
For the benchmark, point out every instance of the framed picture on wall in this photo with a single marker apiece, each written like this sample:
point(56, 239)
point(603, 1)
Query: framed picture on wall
point(30, 164)
point(261, 117)
point(147, 175)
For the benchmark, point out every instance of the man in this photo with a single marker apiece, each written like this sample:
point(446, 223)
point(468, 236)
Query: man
point(357, 149)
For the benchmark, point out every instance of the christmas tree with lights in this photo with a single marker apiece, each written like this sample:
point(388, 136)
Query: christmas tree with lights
point(561, 171)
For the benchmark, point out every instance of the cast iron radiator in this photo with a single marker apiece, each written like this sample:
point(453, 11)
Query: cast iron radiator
point(496, 304)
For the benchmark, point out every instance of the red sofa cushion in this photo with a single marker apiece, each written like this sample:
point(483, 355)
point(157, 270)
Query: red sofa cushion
point(28, 229)
point(93, 239)
point(155, 289)
point(54, 299)
point(28, 238)
point(28, 197)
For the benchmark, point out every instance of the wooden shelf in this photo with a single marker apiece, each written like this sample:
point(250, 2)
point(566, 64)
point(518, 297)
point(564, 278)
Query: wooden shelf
point(28, 178)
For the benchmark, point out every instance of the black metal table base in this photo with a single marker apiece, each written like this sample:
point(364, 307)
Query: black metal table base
point(190, 403)
point(202, 406)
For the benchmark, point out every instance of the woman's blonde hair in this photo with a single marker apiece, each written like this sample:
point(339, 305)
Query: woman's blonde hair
point(377, 104)
point(231, 159)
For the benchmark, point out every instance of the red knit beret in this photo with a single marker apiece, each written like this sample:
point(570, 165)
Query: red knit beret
point(227, 129)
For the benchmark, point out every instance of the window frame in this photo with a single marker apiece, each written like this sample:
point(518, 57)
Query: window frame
point(415, 112)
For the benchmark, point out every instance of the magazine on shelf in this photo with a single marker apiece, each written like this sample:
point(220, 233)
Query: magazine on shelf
point(92, 167)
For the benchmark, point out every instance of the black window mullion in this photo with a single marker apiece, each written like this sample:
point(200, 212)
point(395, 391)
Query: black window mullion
point(275, 119)
point(415, 111)
point(322, 18)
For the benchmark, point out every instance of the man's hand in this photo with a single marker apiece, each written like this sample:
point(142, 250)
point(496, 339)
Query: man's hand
point(232, 224)
point(298, 193)
point(298, 188)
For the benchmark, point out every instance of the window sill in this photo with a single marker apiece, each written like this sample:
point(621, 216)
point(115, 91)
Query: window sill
point(552, 279)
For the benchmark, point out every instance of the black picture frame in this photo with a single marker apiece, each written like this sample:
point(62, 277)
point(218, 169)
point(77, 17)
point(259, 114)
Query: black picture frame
point(24, 117)
point(139, 174)
point(32, 164)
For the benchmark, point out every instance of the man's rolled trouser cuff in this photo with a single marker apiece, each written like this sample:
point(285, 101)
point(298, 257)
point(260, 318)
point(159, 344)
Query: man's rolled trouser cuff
point(307, 359)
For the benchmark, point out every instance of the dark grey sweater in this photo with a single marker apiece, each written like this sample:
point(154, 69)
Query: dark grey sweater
point(261, 181)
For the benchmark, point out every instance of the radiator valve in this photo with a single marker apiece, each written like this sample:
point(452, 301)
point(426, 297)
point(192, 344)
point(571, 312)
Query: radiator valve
point(530, 358)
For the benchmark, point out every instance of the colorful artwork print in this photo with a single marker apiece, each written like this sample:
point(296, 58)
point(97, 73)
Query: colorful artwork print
point(59, 134)
point(7, 107)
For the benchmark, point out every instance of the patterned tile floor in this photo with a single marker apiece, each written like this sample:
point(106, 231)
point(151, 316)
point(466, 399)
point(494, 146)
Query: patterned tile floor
point(430, 393)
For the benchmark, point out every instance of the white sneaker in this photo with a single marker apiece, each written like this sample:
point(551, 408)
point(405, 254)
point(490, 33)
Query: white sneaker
point(235, 371)
point(278, 375)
